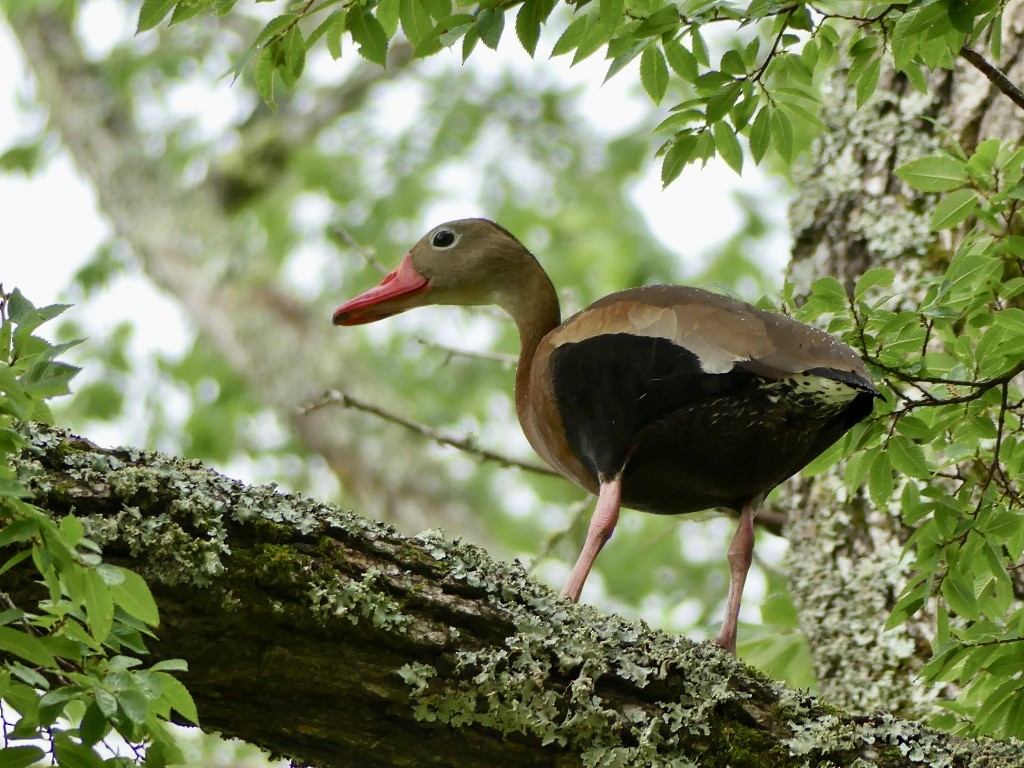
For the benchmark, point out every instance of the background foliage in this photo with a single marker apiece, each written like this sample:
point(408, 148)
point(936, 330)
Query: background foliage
point(72, 679)
point(318, 185)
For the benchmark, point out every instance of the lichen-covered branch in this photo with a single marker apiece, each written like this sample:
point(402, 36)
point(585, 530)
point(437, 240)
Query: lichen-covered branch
point(332, 639)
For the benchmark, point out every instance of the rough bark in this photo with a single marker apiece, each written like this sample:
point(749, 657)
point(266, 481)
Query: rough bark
point(852, 213)
point(184, 237)
point(335, 640)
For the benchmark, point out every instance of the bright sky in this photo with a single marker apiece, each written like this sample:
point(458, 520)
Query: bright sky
point(51, 223)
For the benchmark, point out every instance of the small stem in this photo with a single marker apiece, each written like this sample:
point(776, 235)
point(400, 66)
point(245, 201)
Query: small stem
point(464, 444)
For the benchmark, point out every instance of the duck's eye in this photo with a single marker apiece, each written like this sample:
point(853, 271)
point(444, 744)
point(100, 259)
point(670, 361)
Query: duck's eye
point(445, 238)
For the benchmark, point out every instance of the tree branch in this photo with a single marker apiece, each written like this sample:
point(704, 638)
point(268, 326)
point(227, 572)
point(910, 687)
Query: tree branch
point(464, 444)
point(333, 639)
point(994, 75)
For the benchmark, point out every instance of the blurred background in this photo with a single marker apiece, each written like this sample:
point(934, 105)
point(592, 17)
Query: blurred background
point(204, 240)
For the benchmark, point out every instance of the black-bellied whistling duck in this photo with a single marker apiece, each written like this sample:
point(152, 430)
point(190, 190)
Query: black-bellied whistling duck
point(666, 399)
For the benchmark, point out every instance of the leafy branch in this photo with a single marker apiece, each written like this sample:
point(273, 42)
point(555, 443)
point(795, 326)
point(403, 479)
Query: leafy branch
point(770, 99)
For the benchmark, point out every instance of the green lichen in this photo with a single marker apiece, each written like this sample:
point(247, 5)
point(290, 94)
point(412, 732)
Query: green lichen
point(338, 596)
point(546, 679)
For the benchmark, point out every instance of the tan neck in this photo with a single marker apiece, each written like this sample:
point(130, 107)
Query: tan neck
point(535, 310)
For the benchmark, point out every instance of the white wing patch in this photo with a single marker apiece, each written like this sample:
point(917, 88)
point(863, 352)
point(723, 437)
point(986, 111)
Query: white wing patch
point(718, 337)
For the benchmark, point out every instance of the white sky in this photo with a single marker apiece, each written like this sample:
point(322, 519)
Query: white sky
point(51, 224)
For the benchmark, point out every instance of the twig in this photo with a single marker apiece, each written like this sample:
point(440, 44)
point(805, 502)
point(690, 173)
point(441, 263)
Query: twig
point(759, 73)
point(450, 352)
point(995, 75)
point(338, 232)
point(465, 444)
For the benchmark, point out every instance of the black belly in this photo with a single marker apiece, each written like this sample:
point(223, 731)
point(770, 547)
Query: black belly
point(682, 439)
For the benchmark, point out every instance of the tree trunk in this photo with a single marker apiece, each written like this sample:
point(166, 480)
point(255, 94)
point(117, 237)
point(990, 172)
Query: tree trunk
point(852, 213)
point(334, 640)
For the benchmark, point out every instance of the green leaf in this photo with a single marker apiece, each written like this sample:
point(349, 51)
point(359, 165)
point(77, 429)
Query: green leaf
point(19, 757)
point(70, 754)
point(294, 56)
point(654, 73)
point(961, 15)
point(909, 602)
point(954, 208)
point(611, 13)
point(334, 27)
point(369, 36)
point(490, 23)
point(721, 102)
point(19, 530)
point(960, 596)
point(177, 695)
point(908, 457)
point(388, 13)
point(676, 158)
point(94, 725)
point(877, 276)
point(186, 9)
point(728, 146)
point(700, 47)
point(782, 133)
point(106, 701)
point(531, 16)
point(133, 595)
point(1011, 319)
point(170, 665)
point(152, 13)
point(732, 63)
point(933, 174)
point(99, 605)
point(760, 133)
point(265, 68)
point(25, 646)
point(830, 292)
point(662, 20)
point(273, 29)
point(134, 705)
point(868, 81)
point(571, 38)
point(683, 62)
point(416, 21)
point(880, 480)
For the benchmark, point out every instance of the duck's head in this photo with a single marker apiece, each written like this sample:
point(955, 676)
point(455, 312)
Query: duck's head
point(465, 262)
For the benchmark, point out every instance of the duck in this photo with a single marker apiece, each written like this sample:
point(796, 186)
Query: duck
point(667, 399)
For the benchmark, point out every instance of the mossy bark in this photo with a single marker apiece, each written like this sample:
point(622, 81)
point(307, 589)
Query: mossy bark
point(334, 640)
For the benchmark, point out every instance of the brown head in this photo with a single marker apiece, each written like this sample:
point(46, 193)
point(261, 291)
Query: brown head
point(465, 262)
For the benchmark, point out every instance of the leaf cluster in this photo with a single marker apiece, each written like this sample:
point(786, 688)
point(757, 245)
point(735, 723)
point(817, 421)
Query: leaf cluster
point(70, 666)
point(946, 451)
point(759, 83)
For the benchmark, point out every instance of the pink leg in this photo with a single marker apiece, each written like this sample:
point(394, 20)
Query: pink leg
point(606, 515)
point(740, 554)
